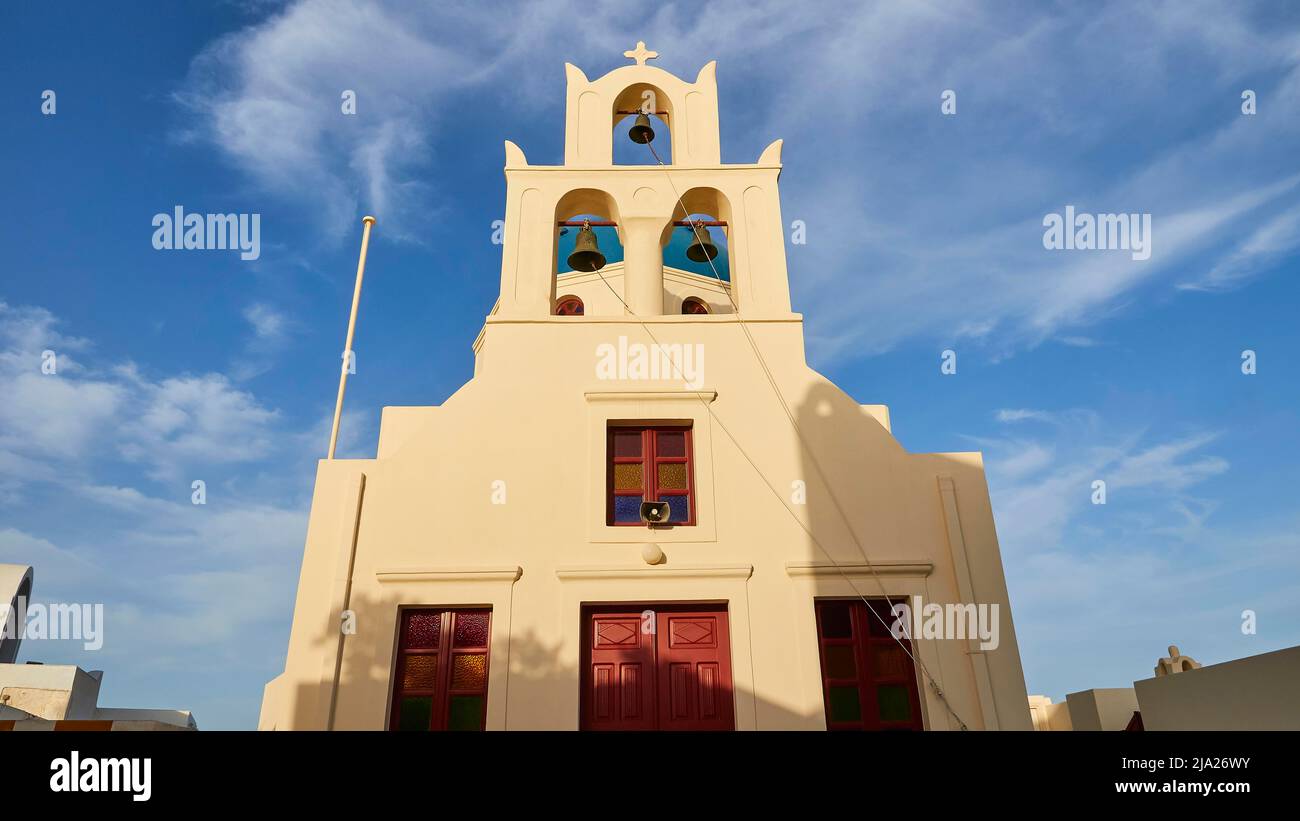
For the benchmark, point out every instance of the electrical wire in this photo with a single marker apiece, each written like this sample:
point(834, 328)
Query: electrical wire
point(933, 683)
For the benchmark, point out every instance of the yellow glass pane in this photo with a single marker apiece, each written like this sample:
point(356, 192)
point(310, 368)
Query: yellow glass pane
point(672, 476)
point(469, 672)
point(627, 477)
point(421, 672)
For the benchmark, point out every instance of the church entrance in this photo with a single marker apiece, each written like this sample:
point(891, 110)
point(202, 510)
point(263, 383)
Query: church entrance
point(656, 667)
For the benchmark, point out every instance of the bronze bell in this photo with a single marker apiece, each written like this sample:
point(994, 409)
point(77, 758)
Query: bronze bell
point(641, 132)
point(586, 254)
point(702, 249)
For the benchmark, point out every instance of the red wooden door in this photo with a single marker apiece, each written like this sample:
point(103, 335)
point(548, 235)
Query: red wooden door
point(656, 667)
point(694, 664)
point(618, 673)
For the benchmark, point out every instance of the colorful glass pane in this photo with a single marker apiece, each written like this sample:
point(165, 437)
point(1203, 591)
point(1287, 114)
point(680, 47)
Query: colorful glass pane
point(627, 442)
point(670, 443)
point(679, 508)
point(627, 508)
point(627, 477)
point(893, 703)
point(415, 712)
point(845, 705)
point(465, 713)
point(890, 661)
point(672, 476)
point(469, 672)
point(423, 629)
point(471, 628)
point(880, 619)
point(836, 622)
point(840, 662)
point(420, 672)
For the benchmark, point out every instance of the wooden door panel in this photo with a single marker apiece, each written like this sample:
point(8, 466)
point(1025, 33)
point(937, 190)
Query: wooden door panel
point(672, 672)
point(617, 657)
point(694, 662)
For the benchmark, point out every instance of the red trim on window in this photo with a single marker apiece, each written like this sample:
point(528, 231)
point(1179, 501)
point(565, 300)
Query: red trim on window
point(869, 641)
point(569, 306)
point(446, 652)
point(649, 490)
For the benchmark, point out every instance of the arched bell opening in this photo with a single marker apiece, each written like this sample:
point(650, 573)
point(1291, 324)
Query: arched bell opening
point(699, 246)
point(702, 244)
point(642, 119)
point(587, 240)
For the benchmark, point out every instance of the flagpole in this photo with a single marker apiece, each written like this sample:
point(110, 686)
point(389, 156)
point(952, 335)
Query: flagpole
point(352, 327)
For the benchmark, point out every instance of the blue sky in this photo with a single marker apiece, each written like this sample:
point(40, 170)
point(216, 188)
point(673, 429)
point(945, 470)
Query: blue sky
point(924, 233)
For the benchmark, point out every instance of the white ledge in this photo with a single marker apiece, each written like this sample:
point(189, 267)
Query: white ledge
point(699, 571)
point(503, 573)
point(648, 395)
point(884, 567)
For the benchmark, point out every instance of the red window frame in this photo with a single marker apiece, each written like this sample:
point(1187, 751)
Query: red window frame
point(569, 306)
point(443, 689)
point(878, 663)
point(649, 491)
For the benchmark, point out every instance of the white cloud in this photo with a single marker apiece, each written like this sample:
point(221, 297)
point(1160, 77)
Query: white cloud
point(1269, 243)
point(188, 590)
point(80, 415)
point(272, 329)
point(937, 218)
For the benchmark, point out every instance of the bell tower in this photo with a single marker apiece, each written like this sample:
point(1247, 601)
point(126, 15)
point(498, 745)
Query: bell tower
point(643, 202)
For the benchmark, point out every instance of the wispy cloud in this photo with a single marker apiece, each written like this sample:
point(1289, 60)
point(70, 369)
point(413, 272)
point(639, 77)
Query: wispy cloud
point(938, 218)
point(1106, 586)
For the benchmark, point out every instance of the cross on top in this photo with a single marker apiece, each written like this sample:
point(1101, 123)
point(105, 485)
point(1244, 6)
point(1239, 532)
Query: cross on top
point(640, 54)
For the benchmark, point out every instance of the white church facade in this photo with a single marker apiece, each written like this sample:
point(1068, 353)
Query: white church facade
point(645, 510)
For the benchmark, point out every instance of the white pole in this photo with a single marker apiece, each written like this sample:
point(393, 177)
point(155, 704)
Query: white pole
point(352, 326)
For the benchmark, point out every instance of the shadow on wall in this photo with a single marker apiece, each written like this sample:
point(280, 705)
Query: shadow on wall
point(855, 511)
point(538, 672)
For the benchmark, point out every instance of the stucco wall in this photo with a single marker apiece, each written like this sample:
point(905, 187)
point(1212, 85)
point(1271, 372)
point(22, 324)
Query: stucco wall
point(1256, 693)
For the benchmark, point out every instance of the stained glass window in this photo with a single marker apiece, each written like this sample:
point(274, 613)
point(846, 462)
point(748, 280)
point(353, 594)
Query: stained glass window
point(442, 670)
point(868, 676)
point(650, 463)
point(569, 306)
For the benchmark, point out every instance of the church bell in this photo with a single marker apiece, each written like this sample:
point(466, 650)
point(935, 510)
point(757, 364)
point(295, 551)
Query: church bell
point(586, 254)
point(702, 249)
point(641, 132)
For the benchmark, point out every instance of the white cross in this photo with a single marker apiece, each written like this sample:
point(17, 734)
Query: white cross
point(640, 54)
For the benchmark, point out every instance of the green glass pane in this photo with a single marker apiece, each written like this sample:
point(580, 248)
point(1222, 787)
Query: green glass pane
point(415, 712)
point(627, 477)
point(672, 476)
point(465, 713)
point(469, 672)
point(420, 672)
point(893, 703)
point(840, 662)
point(845, 705)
